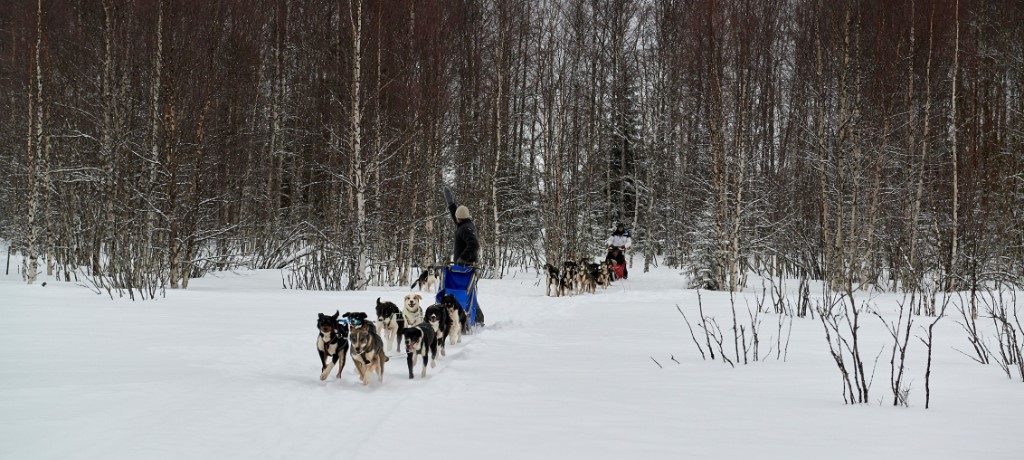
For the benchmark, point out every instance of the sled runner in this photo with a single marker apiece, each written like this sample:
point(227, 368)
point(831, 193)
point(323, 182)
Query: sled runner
point(460, 282)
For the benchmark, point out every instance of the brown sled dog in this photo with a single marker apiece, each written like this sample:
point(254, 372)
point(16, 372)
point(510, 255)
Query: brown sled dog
point(366, 348)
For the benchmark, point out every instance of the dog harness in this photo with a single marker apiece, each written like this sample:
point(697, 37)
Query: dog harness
point(335, 340)
point(413, 315)
point(363, 353)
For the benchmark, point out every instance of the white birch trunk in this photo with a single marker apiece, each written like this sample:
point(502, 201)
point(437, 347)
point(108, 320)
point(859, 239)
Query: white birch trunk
point(154, 148)
point(916, 213)
point(952, 130)
point(35, 157)
point(494, 173)
point(358, 170)
point(107, 137)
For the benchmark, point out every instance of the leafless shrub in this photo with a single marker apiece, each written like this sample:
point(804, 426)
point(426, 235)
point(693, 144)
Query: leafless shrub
point(841, 325)
point(753, 347)
point(320, 269)
point(969, 323)
point(135, 285)
point(782, 349)
point(746, 338)
point(779, 303)
point(716, 334)
point(928, 343)
point(694, 337)
point(735, 329)
point(704, 324)
point(803, 305)
point(900, 333)
point(1001, 306)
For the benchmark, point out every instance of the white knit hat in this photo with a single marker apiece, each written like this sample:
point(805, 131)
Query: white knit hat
point(462, 213)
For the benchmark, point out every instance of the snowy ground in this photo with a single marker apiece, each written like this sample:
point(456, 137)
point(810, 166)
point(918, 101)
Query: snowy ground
point(228, 369)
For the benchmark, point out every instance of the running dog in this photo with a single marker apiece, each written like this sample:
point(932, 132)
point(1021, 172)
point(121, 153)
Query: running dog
point(604, 274)
point(554, 286)
point(367, 348)
point(567, 282)
point(420, 341)
point(457, 315)
point(427, 279)
point(411, 310)
point(438, 319)
point(585, 278)
point(390, 323)
point(331, 344)
point(594, 271)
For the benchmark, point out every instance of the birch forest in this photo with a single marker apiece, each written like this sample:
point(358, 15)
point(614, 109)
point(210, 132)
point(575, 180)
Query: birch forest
point(877, 144)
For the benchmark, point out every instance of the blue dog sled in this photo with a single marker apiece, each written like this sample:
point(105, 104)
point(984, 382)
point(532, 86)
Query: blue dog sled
point(459, 281)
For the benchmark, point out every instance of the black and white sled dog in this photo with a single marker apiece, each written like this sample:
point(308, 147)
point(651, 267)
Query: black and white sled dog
point(457, 316)
point(331, 344)
point(366, 347)
point(567, 282)
point(437, 317)
point(390, 323)
point(427, 279)
point(420, 340)
point(554, 281)
point(411, 310)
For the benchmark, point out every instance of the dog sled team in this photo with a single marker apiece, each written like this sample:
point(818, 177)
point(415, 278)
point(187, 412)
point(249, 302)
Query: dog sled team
point(424, 332)
point(584, 275)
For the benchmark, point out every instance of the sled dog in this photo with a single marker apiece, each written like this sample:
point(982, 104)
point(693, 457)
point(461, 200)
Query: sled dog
point(437, 317)
point(390, 323)
point(366, 348)
point(331, 344)
point(411, 310)
point(585, 278)
point(567, 282)
point(554, 281)
point(427, 280)
point(459, 322)
point(420, 341)
point(604, 274)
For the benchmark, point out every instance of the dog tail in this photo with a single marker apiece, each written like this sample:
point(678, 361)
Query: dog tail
point(378, 301)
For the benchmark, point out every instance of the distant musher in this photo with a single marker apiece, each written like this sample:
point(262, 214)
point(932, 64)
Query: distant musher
point(618, 243)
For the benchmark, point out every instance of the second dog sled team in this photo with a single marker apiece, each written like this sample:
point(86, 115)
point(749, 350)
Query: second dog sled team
point(585, 275)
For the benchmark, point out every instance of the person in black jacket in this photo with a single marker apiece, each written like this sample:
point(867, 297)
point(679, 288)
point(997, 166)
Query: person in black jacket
point(466, 245)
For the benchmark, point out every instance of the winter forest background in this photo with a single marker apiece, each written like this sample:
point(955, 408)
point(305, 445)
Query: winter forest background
point(865, 143)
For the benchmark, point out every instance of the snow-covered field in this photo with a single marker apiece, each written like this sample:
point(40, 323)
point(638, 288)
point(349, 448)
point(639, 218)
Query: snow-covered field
point(228, 369)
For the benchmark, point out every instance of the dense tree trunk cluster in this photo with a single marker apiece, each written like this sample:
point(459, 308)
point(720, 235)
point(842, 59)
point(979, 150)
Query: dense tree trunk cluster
point(869, 143)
